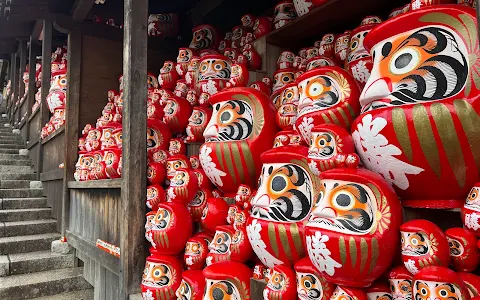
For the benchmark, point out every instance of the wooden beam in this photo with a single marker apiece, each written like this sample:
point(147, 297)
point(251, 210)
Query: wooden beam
point(72, 113)
point(81, 8)
point(14, 86)
point(46, 74)
point(37, 30)
point(32, 62)
point(132, 209)
point(23, 63)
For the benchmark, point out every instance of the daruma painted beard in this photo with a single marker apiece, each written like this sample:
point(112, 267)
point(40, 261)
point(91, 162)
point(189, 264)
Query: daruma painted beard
point(241, 128)
point(352, 234)
point(285, 197)
point(419, 124)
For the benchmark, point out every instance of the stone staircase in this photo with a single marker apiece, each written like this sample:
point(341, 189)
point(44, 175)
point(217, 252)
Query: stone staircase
point(28, 268)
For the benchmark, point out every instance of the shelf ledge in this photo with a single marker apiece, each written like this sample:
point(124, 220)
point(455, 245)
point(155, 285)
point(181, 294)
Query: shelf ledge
point(96, 184)
point(54, 134)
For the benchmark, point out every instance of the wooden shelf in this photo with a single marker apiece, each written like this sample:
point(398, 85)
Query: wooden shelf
point(33, 114)
point(54, 134)
point(96, 184)
point(336, 16)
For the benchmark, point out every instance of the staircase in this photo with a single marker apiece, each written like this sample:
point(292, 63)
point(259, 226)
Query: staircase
point(28, 269)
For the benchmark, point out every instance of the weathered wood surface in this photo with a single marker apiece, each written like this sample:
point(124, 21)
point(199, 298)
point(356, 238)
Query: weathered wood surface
point(71, 119)
point(32, 61)
point(46, 74)
point(52, 190)
point(23, 61)
point(14, 86)
point(96, 184)
point(134, 147)
point(53, 152)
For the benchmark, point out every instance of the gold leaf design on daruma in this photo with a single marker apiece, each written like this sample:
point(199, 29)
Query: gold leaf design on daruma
point(364, 254)
point(353, 251)
point(471, 126)
point(297, 239)
point(449, 138)
point(238, 161)
point(284, 240)
point(400, 126)
point(374, 255)
point(229, 161)
point(273, 238)
point(342, 250)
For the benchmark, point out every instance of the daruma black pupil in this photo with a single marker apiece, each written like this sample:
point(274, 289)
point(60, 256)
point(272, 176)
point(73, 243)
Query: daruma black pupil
point(225, 116)
point(343, 200)
point(278, 183)
point(403, 60)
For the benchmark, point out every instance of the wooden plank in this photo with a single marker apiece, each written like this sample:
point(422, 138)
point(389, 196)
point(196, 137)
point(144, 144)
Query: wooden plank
point(81, 8)
point(23, 62)
point(37, 30)
point(32, 144)
point(46, 74)
point(72, 111)
point(132, 209)
point(14, 85)
point(99, 286)
point(256, 288)
point(32, 62)
point(52, 175)
point(33, 114)
point(53, 135)
point(89, 249)
point(96, 184)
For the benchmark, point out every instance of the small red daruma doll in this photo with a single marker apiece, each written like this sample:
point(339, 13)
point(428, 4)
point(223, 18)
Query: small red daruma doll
point(342, 43)
point(262, 26)
point(359, 62)
point(310, 284)
point(155, 173)
point(158, 136)
point(243, 195)
point(357, 215)
point(379, 290)
point(281, 285)
point(161, 277)
point(168, 75)
point(327, 46)
point(184, 57)
point(281, 78)
point(227, 280)
point(183, 187)
point(286, 115)
point(436, 282)
point(239, 76)
point(177, 146)
point(192, 286)
point(258, 272)
point(348, 293)
point(198, 203)
point(197, 123)
point(228, 244)
point(242, 127)
point(111, 158)
point(177, 111)
point(471, 210)
point(400, 283)
point(284, 13)
point(423, 244)
point(327, 95)
point(196, 251)
point(285, 197)
point(214, 72)
point(327, 142)
point(285, 60)
point(463, 249)
point(204, 37)
point(194, 162)
point(172, 226)
point(175, 162)
point(155, 196)
point(214, 214)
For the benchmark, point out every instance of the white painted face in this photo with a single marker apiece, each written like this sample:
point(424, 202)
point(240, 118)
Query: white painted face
point(322, 145)
point(340, 294)
point(285, 193)
point(309, 287)
point(221, 243)
point(156, 275)
point(184, 291)
point(221, 289)
point(318, 93)
point(473, 199)
point(415, 243)
point(431, 290)
point(456, 247)
point(345, 207)
point(401, 289)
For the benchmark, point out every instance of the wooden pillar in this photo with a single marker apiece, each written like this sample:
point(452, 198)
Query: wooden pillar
point(32, 61)
point(72, 113)
point(132, 230)
point(14, 86)
point(21, 86)
point(46, 74)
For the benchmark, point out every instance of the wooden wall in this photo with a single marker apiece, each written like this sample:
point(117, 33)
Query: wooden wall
point(94, 215)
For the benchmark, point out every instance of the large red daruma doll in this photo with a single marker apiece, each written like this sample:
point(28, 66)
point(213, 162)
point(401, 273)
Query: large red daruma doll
point(227, 280)
point(285, 197)
point(352, 234)
point(161, 277)
point(439, 283)
point(241, 128)
point(327, 95)
point(419, 124)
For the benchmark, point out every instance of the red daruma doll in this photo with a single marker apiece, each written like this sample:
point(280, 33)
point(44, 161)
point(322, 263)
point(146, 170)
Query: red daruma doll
point(242, 127)
point(353, 232)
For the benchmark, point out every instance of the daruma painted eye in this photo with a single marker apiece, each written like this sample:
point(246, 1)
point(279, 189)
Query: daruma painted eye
point(405, 61)
point(315, 89)
point(279, 184)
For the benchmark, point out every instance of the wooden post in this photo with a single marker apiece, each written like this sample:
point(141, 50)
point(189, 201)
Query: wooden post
point(132, 230)
point(46, 74)
point(21, 91)
point(14, 86)
point(72, 113)
point(32, 61)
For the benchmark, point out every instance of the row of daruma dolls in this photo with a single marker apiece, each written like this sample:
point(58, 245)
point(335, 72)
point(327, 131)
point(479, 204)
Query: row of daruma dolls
point(57, 94)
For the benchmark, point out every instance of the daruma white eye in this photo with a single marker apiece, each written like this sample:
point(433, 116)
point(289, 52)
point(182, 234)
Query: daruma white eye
point(315, 89)
point(414, 242)
point(404, 61)
point(343, 201)
point(279, 184)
